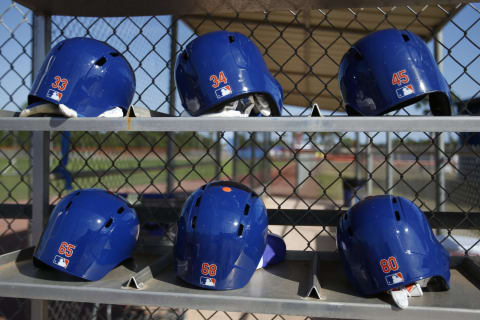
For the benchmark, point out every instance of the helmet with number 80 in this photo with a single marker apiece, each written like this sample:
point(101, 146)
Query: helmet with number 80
point(386, 243)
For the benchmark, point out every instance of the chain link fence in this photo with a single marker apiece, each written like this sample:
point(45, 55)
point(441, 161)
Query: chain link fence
point(308, 171)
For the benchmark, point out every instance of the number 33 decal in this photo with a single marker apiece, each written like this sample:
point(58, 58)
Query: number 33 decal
point(60, 83)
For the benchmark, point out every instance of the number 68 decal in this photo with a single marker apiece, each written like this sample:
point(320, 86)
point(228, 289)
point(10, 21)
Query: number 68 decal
point(209, 269)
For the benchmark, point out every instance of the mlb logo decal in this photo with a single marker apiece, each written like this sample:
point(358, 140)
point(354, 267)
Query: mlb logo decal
point(55, 95)
point(405, 91)
point(206, 281)
point(223, 91)
point(61, 261)
point(394, 278)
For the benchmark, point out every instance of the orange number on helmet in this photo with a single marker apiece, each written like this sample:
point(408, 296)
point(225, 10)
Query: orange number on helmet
point(400, 77)
point(205, 268)
point(66, 249)
point(213, 270)
point(60, 83)
point(216, 81)
point(392, 261)
point(384, 265)
point(62, 248)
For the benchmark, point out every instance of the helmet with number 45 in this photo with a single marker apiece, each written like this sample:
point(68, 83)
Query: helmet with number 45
point(388, 70)
point(82, 77)
point(89, 232)
point(387, 245)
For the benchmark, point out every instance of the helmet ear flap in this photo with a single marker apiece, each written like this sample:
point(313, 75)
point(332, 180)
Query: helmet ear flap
point(440, 104)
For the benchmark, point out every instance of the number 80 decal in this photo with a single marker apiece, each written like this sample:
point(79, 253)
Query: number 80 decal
point(389, 265)
point(209, 269)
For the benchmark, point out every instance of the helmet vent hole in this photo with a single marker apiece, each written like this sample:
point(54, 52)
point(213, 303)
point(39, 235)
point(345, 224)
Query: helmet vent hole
point(68, 205)
point(405, 37)
point(185, 55)
point(350, 232)
point(77, 193)
point(120, 210)
point(204, 186)
point(100, 62)
point(397, 215)
point(247, 208)
point(114, 54)
point(197, 203)
point(109, 223)
point(394, 200)
point(194, 222)
point(240, 230)
point(231, 39)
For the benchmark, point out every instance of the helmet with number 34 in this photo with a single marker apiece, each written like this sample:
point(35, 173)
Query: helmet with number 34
point(223, 74)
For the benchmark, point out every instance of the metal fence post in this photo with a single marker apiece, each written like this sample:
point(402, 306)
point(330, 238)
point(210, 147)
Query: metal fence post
point(235, 157)
point(171, 108)
point(218, 156)
point(440, 195)
point(369, 165)
point(388, 159)
point(40, 153)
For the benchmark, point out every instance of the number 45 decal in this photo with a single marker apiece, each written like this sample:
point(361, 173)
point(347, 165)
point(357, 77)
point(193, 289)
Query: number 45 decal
point(400, 77)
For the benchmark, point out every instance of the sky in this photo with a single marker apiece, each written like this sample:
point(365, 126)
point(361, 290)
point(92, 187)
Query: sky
point(460, 67)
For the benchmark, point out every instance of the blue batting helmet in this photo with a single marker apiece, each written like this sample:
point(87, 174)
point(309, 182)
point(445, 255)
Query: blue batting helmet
point(386, 242)
point(220, 67)
point(89, 232)
point(82, 77)
point(389, 70)
point(221, 237)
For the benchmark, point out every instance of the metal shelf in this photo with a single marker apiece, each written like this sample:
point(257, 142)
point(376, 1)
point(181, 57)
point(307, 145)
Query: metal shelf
point(280, 124)
point(279, 289)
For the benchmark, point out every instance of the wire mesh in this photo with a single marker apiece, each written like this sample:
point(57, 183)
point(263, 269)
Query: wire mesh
point(309, 171)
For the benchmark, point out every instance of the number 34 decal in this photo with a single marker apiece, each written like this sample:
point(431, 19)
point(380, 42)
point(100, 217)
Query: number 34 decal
point(400, 77)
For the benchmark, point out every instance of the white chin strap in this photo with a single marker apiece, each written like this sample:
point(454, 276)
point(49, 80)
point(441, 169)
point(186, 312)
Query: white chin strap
point(400, 295)
point(255, 104)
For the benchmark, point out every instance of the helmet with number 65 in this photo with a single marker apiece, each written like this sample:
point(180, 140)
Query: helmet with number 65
point(388, 70)
point(89, 232)
point(82, 77)
point(222, 235)
point(386, 243)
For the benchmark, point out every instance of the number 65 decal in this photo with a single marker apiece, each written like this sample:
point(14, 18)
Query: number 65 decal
point(66, 249)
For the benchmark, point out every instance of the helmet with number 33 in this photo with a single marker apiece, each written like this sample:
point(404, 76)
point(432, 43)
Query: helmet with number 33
point(89, 232)
point(388, 70)
point(225, 72)
point(82, 77)
point(386, 243)
point(222, 235)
